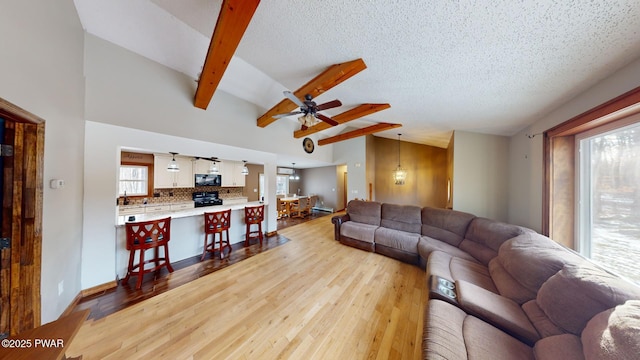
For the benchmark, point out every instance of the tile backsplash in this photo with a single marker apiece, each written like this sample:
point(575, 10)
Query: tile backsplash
point(184, 194)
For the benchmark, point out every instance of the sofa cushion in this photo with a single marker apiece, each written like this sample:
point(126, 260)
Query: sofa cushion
point(426, 245)
point(365, 212)
point(484, 341)
point(402, 240)
point(454, 268)
point(539, 319)
point(358, 231)
point(497, 310)
point(445, 225)
point(531, 259)
point(614, 333)
point(507, 285)
point(559, 347)
point(484, 237)
point(450, 333)
point(575, 294)
point(401, 217)
point(442, 335)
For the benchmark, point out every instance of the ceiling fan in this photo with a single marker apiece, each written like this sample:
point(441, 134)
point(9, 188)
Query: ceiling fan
point(309, 110)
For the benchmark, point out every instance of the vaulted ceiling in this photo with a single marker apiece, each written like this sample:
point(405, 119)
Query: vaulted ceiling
point(491, 66)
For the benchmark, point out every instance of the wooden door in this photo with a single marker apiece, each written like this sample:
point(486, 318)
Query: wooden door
point(21, 230)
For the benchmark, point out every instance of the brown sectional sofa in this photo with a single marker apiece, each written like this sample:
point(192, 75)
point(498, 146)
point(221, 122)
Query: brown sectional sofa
point(500, 291)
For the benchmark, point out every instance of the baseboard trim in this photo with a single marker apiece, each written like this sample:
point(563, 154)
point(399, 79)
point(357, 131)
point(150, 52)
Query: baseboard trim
point(88, 292)
point(272, 233)
point(99, 288)
point(72, 305)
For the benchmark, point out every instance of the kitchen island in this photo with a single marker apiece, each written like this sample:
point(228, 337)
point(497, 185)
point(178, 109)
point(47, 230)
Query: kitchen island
point(187, 231)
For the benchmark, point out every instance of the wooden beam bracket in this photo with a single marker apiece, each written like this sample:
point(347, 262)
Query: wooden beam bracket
point(358, 132)
point(355, 113)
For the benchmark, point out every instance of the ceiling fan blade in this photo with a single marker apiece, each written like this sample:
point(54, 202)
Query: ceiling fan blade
point(326, 80)
point(328, 105)
point(289, 95)
point(327, 119)
point(280, 116)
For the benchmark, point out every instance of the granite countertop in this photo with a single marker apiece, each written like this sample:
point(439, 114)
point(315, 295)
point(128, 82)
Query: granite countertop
point(155, 204)
point(121, 220)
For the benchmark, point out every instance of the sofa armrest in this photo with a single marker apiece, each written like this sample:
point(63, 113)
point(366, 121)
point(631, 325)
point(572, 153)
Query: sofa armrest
point(337, 221)
point(497, 310)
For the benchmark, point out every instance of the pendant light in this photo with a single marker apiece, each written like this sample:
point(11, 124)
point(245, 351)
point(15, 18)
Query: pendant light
point(399, 174)
point(213, 170)
point(294, 176)
point(245, 170)
point(173, 164)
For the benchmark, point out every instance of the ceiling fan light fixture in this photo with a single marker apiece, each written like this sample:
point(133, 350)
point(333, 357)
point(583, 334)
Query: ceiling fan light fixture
point(173, 164)
point(307, 120)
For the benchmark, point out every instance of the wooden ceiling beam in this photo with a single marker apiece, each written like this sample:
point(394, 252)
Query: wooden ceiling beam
point(233, 21)
point(329, 78)
point(355, 113)
point(358, 132)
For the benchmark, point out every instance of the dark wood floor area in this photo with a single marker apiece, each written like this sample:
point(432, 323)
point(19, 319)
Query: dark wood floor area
point(125, 295)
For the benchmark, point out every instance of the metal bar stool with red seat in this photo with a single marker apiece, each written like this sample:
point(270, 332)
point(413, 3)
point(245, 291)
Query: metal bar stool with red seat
point(216, 223)
point(253, 215)
point(143, 236)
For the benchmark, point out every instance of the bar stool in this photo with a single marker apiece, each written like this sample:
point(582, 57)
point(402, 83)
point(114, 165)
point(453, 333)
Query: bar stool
point(253, 215)
point(216, 223)
point(145, 235)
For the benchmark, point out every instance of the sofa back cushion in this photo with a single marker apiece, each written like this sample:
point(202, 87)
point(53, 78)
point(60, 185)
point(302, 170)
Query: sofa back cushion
point(445, 225)
point(401, 217)
point(571, 297)
point(366, 212)
point(484, 237)
point(528, 260)
point(614, 333)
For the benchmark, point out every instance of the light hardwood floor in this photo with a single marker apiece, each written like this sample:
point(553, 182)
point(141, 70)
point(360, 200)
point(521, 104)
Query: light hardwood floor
point(311, 298)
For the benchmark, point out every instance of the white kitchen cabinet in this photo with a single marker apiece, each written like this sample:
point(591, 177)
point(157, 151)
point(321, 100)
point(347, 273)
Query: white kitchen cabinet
point(130, 210)
point(157, 208)
point(163, 179)
point(201, 166)
point(232, 173)
point(182, 206)
point(235, 201)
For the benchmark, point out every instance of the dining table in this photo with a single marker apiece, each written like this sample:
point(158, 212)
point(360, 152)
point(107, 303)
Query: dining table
point(288, 202)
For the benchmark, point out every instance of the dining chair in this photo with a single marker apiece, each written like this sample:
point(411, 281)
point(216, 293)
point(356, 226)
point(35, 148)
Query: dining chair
point(143, 236)
point(217, 222)
point(253, 215)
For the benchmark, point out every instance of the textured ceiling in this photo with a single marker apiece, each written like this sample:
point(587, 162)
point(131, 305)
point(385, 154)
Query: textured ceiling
point(483, 66)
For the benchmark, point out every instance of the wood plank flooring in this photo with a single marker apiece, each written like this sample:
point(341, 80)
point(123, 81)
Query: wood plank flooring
point(310, 298)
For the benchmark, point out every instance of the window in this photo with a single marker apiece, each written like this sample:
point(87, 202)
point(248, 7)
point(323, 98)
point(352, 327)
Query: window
point(282, 185)
point(134, 180)
point(586, 206)
point(609, 196)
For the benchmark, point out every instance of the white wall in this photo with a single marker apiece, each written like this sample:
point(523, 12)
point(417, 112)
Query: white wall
point(128, 90)
point(102, 156)
point(133, 93)
point(41, 71)
point(480, 174)
point(353, 154)
point(322, 182)
point(526, 155)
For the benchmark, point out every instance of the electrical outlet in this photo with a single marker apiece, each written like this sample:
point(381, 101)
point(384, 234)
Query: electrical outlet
point(60, 287)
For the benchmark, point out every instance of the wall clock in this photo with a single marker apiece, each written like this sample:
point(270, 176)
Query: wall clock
point(308, 146)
